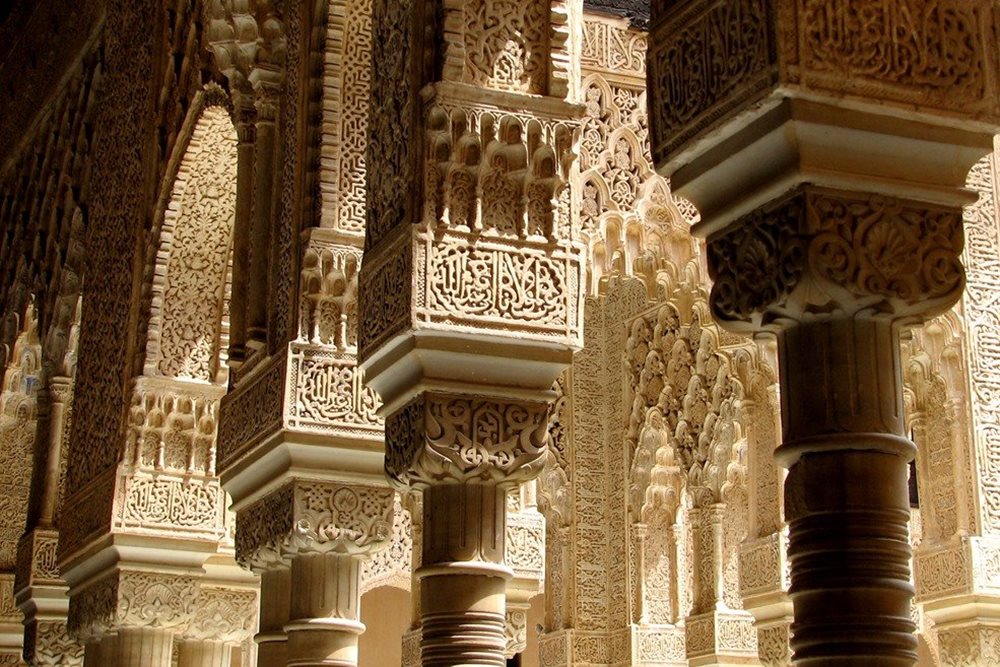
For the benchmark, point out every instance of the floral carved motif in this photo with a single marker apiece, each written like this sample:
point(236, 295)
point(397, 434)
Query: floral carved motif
point(224, 614)
point(515, 631)
point(445, 437)
point(306, 517)
point(136, 598)
point(194, 254)
point(50, 645)
point(820, 250)
point(506, 44)
point(392, 565)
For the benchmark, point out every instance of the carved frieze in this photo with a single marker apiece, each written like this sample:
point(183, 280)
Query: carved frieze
point(224, 614)
point(708, 59)
point(613, 47)
point(330, 396)
point(712, 60)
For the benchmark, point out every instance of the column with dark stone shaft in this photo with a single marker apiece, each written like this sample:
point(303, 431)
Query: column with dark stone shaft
point(830, 179)
point(470, 291)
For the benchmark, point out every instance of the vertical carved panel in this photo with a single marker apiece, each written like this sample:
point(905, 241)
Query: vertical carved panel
point(981, 304)
point(506, 44)
point(195, 240)
point(17, 439)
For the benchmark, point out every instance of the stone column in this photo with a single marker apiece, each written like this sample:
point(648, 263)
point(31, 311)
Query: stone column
point(197, 653)
point(225, 615)
point(39, 590)
point(242, 224)
point(830, 178)
point(471, 289)
point(130, 618)
point(301, 448)
point(261, 223)
point(275, 598)
point(463, 575)
point(308, 540)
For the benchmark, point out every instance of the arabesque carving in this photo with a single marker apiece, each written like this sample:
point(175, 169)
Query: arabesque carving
point(458, 438)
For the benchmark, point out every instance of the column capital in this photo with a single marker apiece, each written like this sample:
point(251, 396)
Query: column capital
point(443, 438)
point(307, 516)
point(818, 253)
point(223, 614)
point(133, 598)
point(267, 94)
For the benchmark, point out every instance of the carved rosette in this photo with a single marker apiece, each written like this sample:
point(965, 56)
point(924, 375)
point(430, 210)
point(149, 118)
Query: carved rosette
point(448, 438)
point(820, 252)
point(314, 517)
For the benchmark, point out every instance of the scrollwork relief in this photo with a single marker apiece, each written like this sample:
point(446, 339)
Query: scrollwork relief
point(440, 436)
point(307, 517)
point(848, 251)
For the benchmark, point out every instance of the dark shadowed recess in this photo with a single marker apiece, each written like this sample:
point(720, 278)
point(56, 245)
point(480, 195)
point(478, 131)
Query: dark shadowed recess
point(636, 11)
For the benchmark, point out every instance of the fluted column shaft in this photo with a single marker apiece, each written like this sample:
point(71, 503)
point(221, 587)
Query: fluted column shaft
point(194, 653)
point(462, 576)
point(846, 493)
point(325, 610)
point(140, 647)
point(272, 642)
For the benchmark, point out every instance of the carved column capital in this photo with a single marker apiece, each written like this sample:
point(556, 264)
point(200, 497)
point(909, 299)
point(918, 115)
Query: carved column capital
point(223, 614)
point(452, 438)
point(516, 629)
point(267, 95)
point(60, 389)
point(819, 253)
point(133, 599)
point(314, 517)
